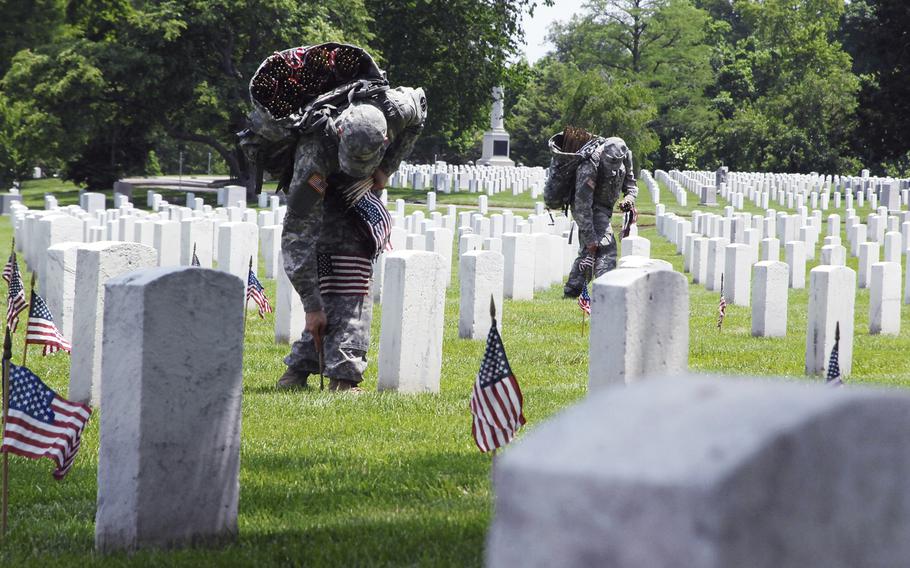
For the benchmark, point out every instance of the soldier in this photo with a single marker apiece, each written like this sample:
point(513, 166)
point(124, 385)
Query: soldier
point(336, 226)
point(599, 181)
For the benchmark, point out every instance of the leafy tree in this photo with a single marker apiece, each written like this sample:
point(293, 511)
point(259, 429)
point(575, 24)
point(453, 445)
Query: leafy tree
point(876, 33)
point(655, 49)
point(457, 50)
point(786, 91)
point(131, 70)
point(36, 23)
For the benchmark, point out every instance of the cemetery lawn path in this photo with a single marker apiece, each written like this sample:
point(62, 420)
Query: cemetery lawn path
point(382, 479)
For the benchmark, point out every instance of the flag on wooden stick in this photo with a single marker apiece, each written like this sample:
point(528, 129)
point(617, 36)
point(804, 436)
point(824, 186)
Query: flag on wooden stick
point(41, 329)
point(722, 305)
point(496, 401)
point(584, 300)
point(834, 378)
point(40, 423)
point(256, 292)
point(16, 303)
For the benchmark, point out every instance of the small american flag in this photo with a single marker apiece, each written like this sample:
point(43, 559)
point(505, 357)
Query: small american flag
point(834, 378)
point(496, 401)
point(344, 275)
point(587, 262)
point(372, 212)
point(41, 423)
point(628, 219)
point(584, 300)
point(255, 291)
point(8, 268)
point(42, 330)
point(195, 260)
point(16, 303)
point(722, 305)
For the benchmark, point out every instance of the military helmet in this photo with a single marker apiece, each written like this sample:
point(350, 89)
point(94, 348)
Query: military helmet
point(362, 138)
point(614, 150)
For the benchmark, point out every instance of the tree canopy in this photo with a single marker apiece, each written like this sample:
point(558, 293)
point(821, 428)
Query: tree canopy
point(98, 89)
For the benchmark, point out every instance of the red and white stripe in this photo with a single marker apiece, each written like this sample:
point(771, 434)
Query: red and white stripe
point(349, 275)
point(31, 438)
point(497, 413)
point(43, 332)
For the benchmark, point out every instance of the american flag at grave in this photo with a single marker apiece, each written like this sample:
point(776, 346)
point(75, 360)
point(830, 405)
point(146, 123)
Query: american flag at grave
point(41, 329)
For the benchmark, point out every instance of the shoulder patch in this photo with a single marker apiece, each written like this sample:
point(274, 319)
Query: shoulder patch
point(317, 182)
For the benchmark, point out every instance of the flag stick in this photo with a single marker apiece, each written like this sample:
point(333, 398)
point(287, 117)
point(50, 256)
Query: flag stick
point(27, 319)
point(317, 339)
point(7, 357)
point(246, 302)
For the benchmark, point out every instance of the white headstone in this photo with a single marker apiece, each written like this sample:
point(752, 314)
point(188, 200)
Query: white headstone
point(96, 263)
point(769, 299)
point(196, 233)
point(169, 458)
point(290, 317)
point(413, 302)
point(167, 242)
point(796, 263)
point(270, 243)
point(709, 473)
point(481, 278)
point(519, 259)
point(633, 310)
point(832, 293)
point(885, 299)
point(237, 242)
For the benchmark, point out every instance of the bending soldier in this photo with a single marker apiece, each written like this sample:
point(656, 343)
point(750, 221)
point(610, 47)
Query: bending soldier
point(328, 247)
point(599, 182)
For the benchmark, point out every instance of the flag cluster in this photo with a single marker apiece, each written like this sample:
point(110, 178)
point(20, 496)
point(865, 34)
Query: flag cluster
point(377, 219)
point(255, 291)
point(584, 300)
point(496, 401)
point(16, 303)
point(41, 329)
point(40, 423)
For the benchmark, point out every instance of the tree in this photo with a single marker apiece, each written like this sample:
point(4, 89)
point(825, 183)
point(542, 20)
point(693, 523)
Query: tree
point(786, 90)
point(876, 34)
point(657, 49)
point(457, 50)
point(131, 70)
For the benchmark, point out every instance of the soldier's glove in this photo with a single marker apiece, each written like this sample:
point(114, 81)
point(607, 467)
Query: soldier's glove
point(627, 203)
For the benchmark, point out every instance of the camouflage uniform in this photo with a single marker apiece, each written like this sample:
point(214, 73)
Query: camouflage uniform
point(316, 235)
point(598, 185)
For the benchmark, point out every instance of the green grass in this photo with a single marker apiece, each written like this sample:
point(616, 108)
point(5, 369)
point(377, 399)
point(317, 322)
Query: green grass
point(384, 479)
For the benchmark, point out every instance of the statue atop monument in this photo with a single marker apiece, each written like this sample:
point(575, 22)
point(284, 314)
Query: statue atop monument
point(497, 113)
point(496, 140)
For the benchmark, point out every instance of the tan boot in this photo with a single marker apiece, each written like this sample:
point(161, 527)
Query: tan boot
point(293, 379)
point(338, 385)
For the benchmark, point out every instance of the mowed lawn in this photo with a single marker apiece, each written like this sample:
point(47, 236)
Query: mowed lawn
point(384, 479)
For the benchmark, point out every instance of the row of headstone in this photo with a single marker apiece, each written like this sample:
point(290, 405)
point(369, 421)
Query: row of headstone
point(713, 259)
point(490, 180)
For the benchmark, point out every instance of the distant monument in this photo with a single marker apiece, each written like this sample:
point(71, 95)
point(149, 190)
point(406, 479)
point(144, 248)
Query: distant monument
point(496, 140)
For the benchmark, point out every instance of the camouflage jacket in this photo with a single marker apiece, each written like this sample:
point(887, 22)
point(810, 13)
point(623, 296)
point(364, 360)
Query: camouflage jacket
point(327, 225)
point(598, 185)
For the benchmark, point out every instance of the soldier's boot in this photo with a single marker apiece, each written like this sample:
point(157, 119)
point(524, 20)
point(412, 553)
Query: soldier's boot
point(293, 379)
point(338, 385)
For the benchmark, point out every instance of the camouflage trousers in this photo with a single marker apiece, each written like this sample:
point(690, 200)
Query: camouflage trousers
point(345, 343)
point(604, 261)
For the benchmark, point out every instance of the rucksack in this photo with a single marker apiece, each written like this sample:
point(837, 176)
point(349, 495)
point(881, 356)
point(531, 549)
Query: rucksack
point(299, 91)
point(559, 191)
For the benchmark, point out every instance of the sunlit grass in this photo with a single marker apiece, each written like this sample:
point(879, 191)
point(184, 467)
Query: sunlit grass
point(383, 479)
